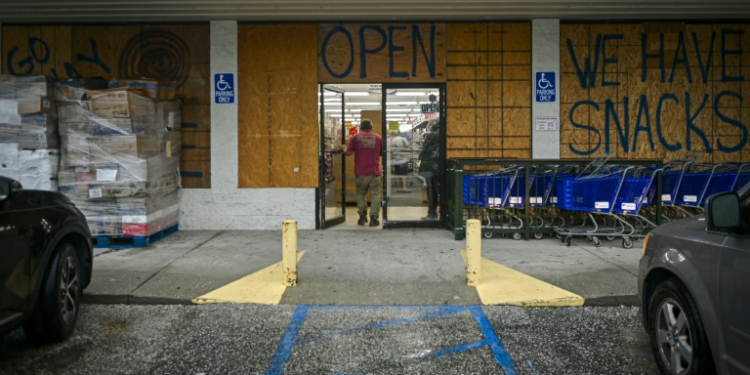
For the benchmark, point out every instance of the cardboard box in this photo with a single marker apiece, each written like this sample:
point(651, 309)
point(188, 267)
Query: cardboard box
point(116, 190)
point(37, 104)
point(123, 149)
point(75, 90)
point(9, 135)
point(9, 112)
point(110, 126)
point(7, 87)
point(104, 225)
point(120, 103)
point(75, 150)
point(153, 89)
point(146, 225)
point(39, 132)
point(35, 86)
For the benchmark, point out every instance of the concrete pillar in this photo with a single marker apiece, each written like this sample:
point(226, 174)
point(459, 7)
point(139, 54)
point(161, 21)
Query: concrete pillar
point(224, 117)
point(545, 57)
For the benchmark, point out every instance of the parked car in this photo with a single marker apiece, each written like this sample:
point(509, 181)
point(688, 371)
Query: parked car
point(694, 283)
point(45, 262)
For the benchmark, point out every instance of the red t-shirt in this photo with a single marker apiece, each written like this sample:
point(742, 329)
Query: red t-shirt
point(366, 146)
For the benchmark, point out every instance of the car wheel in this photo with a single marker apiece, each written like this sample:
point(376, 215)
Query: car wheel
point(678, 340)
point(56, 313)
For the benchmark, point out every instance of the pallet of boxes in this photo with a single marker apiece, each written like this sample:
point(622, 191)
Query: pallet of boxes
point(29, 144)
point(120, 158)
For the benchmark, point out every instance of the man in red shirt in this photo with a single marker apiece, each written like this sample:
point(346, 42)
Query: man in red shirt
point(366, 147)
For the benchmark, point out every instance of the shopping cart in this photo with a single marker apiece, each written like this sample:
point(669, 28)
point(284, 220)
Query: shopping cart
point(607, 198)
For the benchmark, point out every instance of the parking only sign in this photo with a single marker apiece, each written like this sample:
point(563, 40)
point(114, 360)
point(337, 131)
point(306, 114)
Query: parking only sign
point(545, 89)
point(224, 88)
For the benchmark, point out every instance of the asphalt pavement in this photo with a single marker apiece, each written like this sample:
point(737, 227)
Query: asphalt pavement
point(261, 339)
point(359, 267)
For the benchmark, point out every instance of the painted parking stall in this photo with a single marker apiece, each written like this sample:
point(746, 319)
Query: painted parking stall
point(476, 334)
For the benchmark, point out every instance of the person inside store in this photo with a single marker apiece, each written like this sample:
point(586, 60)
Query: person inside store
point(400, 150)
point(366, 147)
point(429, 168)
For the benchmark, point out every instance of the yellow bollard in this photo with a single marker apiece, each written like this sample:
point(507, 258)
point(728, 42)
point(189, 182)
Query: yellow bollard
point(289, 256)
point(473, 252)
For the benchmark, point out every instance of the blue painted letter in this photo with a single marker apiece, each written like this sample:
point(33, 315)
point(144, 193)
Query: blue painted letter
point(725, 52)
point(394, 48)
point(707, 68)
point(677, 146)
point(416, 38)
point(643, 108)
point(324, 48)
point(743, 140)
point(586, 127)
point(691, 124)
point(587, 76)
point(647, 56)
point(364, 51)
point(606, 61)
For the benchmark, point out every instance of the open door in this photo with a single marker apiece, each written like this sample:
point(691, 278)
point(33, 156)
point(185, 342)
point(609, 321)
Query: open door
point(331, 197)
point(414, 157)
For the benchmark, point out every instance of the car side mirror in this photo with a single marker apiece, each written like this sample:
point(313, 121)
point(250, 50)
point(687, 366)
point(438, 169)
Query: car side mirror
point(7, 187)
point(723, 211)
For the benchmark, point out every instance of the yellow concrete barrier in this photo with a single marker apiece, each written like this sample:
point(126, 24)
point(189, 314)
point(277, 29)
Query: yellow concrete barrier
point(289, 256)
point(473, 252)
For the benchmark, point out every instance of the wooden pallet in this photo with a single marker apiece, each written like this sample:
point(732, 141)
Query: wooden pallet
point(119, 242)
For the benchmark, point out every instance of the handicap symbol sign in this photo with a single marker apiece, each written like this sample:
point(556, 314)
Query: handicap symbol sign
point(545, 89)
point(224, 88)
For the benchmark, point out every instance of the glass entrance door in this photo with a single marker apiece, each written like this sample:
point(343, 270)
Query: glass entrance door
point(414, 154)
point(331, 205)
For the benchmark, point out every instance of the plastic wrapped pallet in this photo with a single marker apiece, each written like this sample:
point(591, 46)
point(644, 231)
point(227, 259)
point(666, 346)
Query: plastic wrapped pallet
point(120, 159)
point(29, 131)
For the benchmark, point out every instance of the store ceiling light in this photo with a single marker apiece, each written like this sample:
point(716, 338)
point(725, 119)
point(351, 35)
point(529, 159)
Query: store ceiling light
point(389, 110)
point(363, 103)
point(356, 93)
point(410, 93)
point(393, 102)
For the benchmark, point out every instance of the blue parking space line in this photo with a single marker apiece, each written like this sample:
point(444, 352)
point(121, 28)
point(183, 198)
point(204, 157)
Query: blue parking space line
point(501, 355)
point(287, 342)
point(388, 323)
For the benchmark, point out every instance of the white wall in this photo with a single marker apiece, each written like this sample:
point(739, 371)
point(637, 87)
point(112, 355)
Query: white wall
point(225, 206)
point(545, 57)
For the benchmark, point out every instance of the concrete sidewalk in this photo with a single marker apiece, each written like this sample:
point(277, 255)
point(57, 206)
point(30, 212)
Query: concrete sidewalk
point(360, 267)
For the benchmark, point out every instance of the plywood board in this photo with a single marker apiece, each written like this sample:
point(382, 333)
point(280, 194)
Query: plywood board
point(489, 98)
point(278, 129)
point(382, 52)
point(686, 106)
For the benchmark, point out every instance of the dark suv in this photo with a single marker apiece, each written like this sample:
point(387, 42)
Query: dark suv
point(45, 262)
point(694, 284)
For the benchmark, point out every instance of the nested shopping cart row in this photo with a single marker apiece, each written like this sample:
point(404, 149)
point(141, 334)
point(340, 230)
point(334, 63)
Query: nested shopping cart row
point(596, 200)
